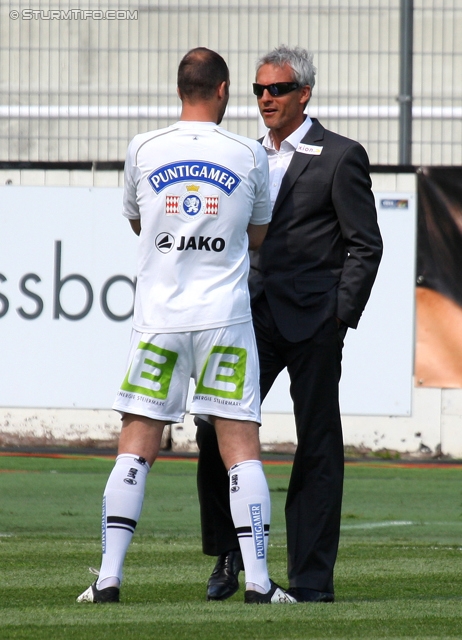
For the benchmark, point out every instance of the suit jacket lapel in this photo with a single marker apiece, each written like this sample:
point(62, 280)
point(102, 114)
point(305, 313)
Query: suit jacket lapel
point(299, 162)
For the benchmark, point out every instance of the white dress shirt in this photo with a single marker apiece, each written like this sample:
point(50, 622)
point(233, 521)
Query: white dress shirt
point(279, 160)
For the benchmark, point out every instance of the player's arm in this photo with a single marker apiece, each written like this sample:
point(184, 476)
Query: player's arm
point(256, 233)
point(261, 213)
point(131, 179)
point(136, 225)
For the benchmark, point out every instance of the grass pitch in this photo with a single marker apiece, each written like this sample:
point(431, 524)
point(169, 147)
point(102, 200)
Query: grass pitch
point(399, 571)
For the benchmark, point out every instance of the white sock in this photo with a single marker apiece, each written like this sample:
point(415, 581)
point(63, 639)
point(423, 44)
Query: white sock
point(122, 502)
point(251, 512)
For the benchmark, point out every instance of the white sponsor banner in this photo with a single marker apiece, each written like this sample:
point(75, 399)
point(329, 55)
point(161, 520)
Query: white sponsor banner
point(67, 272)
point(378, 358)
point(67, 267)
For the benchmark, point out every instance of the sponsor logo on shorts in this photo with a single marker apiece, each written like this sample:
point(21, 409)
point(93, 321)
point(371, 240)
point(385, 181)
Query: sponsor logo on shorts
point(258, 530)
point(150, 372)
point(196, 170)
point(223, 374)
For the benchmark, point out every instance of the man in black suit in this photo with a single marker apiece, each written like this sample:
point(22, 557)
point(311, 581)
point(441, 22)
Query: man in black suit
point(311, 281)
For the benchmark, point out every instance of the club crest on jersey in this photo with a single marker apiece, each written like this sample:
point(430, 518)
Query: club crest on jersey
point(191, 204)
point(194, 170)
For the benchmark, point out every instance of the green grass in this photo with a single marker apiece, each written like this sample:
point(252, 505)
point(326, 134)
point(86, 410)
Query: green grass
point(399, 571)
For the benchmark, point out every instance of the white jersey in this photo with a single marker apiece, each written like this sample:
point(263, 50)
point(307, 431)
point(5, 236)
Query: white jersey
point(195, 188)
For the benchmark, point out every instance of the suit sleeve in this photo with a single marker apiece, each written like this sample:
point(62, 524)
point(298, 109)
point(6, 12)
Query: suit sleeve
point(355, 207)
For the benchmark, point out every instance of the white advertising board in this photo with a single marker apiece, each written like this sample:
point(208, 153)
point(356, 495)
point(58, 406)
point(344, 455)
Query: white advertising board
point(67, 266)
point(67, 271)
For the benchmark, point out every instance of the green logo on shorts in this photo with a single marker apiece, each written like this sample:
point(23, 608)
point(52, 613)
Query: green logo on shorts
point(153, 364)
point(224, 373)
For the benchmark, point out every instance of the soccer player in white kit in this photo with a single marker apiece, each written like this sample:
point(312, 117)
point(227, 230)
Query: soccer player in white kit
point(198, 198)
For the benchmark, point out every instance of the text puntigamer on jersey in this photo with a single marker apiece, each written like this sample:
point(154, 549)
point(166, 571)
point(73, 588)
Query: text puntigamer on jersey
point(175, 172)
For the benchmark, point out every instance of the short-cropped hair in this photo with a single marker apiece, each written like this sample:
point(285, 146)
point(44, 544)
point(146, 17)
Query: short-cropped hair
point(200, 72)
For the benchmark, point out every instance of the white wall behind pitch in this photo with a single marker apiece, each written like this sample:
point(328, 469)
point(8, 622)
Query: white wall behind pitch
point(60, 362)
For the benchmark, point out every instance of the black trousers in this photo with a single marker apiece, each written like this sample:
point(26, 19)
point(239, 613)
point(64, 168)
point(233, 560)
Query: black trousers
point(314, 496)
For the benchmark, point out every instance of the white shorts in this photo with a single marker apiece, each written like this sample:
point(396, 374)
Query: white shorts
point(223, 363)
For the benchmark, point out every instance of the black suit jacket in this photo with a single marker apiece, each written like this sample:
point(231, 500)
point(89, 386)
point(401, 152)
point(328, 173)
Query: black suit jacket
point(323, 246)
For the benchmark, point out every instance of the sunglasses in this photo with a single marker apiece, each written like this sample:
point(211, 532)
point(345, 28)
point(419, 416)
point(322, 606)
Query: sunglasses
point(276, 89)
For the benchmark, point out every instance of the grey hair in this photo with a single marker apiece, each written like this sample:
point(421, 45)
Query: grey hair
point(299, 59)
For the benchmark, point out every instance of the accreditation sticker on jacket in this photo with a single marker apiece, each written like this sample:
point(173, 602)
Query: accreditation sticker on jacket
point(309, 149)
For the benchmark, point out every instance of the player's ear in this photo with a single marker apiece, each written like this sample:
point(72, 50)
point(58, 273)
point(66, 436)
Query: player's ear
point(223, 90)
point(179, 93)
